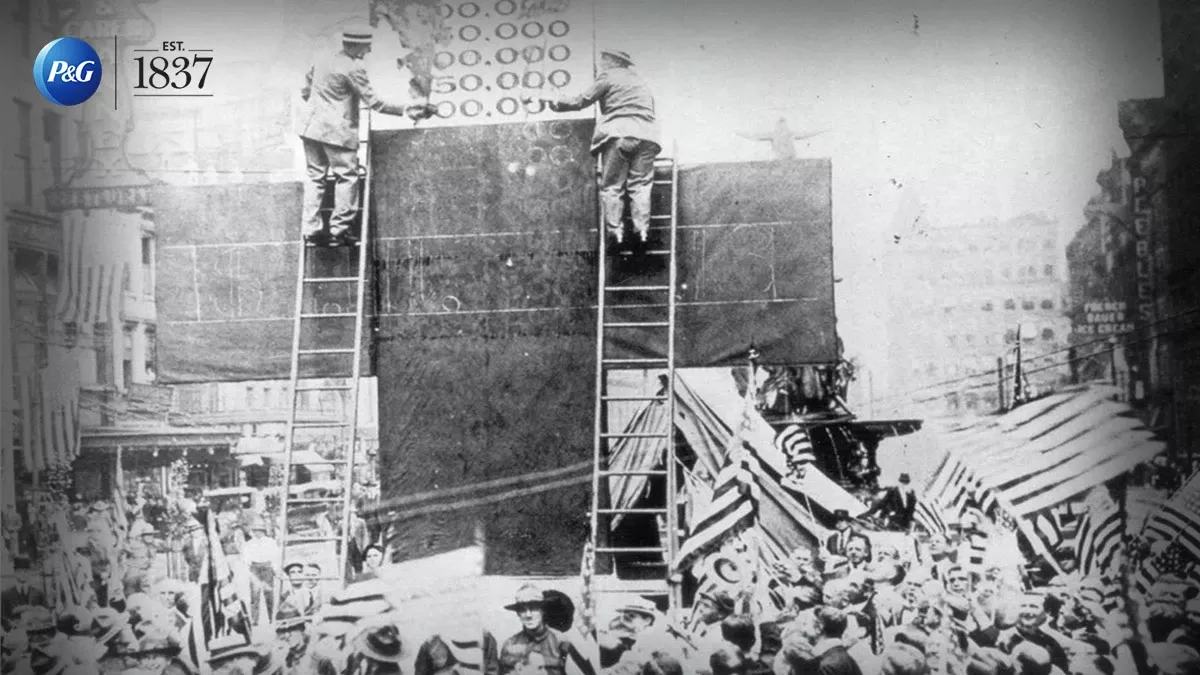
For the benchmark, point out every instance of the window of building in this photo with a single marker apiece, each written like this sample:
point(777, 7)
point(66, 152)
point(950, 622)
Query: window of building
point(1010, 304)
point(1048, 244)
point(969, 339)
point(103, 355)
point(1047, 334)
point(23, 17)
point(1020, 272)
point(952, 340)
point(51, 274)
point(1048, 271)
point(52, 124)
point(24, 154)
point(1010, 336)
point(127, 358)
point(1047, 304)
point(1027, 305)
point(151, 354)
point(251, 400)
point(28, 270)
point(1006, 273)
point(148, 266)
point(1031, 272)
point(988, 306)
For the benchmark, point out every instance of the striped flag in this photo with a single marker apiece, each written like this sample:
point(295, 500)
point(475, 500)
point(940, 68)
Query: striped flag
point(1098, 541)
point(90, 280)
point(929, 518)
point(794, 444)
point(226, 609)
point(49, 401)
point(1046, 527)
point(734, 504)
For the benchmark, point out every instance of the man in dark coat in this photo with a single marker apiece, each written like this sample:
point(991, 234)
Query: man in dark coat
point(898, 504)
point(835, 544)
point(17, 596)
point(627, 140)
point(334, 90)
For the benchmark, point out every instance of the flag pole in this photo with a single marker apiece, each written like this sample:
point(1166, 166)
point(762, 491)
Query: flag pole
point(755, 526)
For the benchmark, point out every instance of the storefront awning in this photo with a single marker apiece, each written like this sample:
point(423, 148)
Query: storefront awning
point(152, 438)
point(1043, 453)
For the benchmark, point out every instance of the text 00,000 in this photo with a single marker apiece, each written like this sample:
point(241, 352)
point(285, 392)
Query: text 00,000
point(176, 73)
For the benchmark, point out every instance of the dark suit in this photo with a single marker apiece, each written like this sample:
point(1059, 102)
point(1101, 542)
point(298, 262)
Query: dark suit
point(333, 91)
point(836, 543)
point(837, 661)
point(14, 597)
point(897, 505)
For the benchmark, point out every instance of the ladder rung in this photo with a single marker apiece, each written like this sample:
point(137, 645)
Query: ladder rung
point(662, 182)
point(316, 500)
point(630, 549)
point(635, 324)
point(313, 539)
point(319, 425)
point(633, 361)
point(331, 462)
point(654, 252)
point(615, 289)
point(326, 387)
point(661, 217)
point(330, 315)
point(625, 435)
point(343, 350)
point(630, 472)
point(633, 398)
point(323, 280)
point(632, 511)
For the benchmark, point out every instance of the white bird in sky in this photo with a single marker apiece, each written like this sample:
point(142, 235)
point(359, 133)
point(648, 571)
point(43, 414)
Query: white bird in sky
point(782, 138)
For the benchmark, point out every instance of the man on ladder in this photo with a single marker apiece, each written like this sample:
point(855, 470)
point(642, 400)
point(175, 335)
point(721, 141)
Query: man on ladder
point(626, 139)
point(335, 88)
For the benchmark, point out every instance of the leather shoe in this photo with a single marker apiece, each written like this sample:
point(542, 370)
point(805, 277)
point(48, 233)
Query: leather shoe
point(320, 238)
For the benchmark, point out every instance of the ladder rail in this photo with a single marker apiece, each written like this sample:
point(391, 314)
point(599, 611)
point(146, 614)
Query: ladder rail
point(349, 422)
point(671, 544)
point(603, 437)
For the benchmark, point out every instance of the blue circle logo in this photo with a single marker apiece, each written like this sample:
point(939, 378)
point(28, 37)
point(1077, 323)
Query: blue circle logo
point(67, 71)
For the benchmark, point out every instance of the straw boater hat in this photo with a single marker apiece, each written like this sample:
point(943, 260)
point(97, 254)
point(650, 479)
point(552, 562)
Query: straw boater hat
point(287, 569)
point(356, 35)
point(641, 606)
point(618, 55)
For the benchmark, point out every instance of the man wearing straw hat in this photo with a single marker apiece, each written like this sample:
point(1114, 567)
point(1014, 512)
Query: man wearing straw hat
point(627, 140)
point(334, 90)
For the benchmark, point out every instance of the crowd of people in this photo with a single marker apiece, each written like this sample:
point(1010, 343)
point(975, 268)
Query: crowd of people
point(964, 601)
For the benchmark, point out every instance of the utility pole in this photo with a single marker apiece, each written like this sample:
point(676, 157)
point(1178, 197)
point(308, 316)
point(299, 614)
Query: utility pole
point(7, 356)
point(1000, 378)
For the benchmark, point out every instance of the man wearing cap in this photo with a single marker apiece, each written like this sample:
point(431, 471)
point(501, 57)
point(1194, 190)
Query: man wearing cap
point(627, 140)
point(334, 90)
point(536, 638)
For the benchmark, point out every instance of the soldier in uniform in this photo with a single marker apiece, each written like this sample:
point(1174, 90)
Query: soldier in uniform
point(334, 90)
point(536, 638)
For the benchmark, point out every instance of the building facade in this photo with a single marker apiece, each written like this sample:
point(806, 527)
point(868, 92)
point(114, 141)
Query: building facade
point(1164, 141)
point(975, 289)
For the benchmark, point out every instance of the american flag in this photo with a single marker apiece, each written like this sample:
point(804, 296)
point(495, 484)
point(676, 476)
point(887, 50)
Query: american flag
point(794, 444)
point(929, 518)
point(1098, 541)
point(1176, 521)
point(49, 404)
point(90, 281)
point(226, 611)
point(734, 504)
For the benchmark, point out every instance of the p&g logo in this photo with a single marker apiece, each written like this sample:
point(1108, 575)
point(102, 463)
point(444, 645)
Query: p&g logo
point(67, 71)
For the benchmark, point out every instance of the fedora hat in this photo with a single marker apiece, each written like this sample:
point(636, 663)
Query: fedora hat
point(841, 514)
point(905, 478)
point(357, 35)
point(618, 54)
point(527, 595)
point(380, 641)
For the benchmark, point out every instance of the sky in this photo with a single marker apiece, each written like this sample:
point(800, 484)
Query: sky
point(971, 109)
